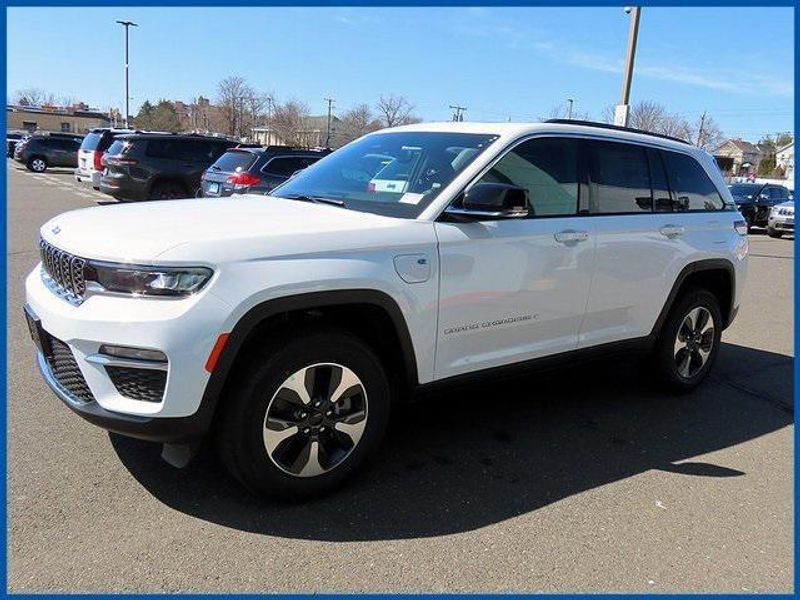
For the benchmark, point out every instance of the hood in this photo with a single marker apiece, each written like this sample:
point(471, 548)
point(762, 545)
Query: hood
point(258, 225)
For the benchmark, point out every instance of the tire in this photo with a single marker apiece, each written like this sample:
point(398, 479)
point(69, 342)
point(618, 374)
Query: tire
point(37, 164)
point(168, 190)
point(773, 233)
point(267, 391)
point(669, 357)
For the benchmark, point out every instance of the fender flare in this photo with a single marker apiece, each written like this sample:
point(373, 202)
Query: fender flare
point(257, 314)
point(709, 264)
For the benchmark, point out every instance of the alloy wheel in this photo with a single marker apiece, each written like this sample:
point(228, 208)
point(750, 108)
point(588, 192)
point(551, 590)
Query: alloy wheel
point(315, 420)
point(694, 342)
point(38, 165)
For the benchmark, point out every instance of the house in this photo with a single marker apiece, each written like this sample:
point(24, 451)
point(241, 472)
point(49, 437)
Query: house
point(745, 156)
point(78, 118)
point(311, 132)
point(784, 159)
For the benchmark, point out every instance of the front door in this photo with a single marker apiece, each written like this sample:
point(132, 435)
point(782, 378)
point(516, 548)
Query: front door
point(516, 289)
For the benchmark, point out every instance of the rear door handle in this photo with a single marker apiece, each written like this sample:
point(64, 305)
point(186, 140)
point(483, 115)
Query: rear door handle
point(565, 237)
point(672, 231)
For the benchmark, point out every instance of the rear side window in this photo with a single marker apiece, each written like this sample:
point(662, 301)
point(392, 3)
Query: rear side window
point(284, 166)
point(116, 147)
point(691, 185)
point(91, 141)
point(619, 178)
point(548, 169)
point(235, 160)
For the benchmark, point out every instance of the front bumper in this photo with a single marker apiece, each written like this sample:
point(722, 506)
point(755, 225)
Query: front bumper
point(781, 223)
point(185, 330)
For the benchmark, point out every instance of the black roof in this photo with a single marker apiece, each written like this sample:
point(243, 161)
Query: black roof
point(615, 128)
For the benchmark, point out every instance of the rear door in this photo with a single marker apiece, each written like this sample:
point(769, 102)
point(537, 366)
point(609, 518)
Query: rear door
point(654, 211)
point(516, 289)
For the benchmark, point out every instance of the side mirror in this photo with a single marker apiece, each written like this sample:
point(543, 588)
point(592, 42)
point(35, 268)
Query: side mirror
point(492, 201)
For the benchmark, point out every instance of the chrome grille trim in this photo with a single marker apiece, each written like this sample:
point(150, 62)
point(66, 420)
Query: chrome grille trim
point(65, 271)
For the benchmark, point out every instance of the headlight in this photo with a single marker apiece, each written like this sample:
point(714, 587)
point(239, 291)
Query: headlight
point(146, 281)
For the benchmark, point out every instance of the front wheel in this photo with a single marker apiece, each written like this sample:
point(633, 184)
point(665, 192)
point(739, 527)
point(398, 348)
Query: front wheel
point(37, 164)
point(773, 233)
point(689, 341)
point(308, 411)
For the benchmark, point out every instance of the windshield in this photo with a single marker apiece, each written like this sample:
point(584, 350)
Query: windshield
point(234, 161)
point(396, 174)
point(91, 141)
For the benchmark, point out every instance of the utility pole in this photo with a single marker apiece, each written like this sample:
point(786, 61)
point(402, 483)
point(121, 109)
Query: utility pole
point(330, 108)
point(458, 112)
point(700, 129)
point(623, 108)
point(569, 110)
point(127, 25)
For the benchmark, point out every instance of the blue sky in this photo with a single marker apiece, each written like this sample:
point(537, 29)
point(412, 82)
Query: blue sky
point(501, 63)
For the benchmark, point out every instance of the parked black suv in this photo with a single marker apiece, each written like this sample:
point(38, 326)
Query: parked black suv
point(755, 200)
point(39, 152)
point(244, 170)
point(158, 166)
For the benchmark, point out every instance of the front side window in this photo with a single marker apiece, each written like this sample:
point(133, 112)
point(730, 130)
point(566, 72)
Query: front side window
point(547, 168)
point(395, 173)
point(619, 178)
point(691, 185)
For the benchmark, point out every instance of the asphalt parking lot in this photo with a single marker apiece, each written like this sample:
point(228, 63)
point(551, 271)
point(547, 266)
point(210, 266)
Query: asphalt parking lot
point(559, 482)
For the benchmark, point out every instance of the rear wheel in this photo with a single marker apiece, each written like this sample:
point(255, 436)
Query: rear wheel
point(168, 190)
point(37, 164)
point(689, 341)
point(307, 412)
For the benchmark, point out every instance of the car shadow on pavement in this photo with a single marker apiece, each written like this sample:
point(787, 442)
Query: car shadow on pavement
point(468, 457)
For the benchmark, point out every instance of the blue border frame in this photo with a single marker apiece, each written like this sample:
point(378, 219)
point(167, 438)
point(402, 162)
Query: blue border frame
point(361, 3)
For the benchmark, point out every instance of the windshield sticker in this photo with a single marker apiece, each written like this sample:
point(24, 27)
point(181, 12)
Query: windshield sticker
point(409, 198)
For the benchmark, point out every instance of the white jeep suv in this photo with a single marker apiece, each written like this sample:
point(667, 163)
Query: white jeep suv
point(289, 325)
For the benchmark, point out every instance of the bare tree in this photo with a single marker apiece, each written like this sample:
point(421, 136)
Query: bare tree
point(707, 134)
point(233, 95)
point(395, 110)
point(648, 116)
point(356, 122)
point(289, 121)
point(30, 97)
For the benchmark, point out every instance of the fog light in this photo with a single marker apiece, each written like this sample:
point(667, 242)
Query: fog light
point(135, 353)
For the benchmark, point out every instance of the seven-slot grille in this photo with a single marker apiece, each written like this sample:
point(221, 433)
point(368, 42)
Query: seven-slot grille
point(65, 269)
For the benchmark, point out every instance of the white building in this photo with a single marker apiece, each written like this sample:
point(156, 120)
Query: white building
point(784, 158)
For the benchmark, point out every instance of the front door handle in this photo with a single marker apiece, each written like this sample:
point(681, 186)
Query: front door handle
point(672, 231)
point(570, 235)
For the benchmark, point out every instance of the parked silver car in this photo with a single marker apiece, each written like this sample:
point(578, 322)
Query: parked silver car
point(781, 219)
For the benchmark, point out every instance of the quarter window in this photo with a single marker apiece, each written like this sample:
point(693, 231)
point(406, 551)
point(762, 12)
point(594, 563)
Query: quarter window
point(619, 178)
point(548, 169)
point(691, 185)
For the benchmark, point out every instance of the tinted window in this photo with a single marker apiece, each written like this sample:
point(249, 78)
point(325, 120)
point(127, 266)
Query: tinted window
point(778, 193)
point(690, 183)
point(235, 160)
point(619, 178)
point(744, 189)
point(284, 166)
point(662, 201)
point(548, 169)
point(116, 147)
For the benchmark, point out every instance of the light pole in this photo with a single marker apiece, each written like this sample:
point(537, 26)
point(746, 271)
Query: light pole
point(127, 25)
point(623, 108)
point(569, 110)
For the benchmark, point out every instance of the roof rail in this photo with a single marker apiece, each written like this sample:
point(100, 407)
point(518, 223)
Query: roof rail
point(616, 128)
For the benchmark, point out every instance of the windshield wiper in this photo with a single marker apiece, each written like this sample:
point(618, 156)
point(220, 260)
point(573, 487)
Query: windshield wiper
point(314, 199)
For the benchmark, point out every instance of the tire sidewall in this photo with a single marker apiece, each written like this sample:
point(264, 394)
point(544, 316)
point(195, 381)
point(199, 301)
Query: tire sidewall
point(666, 357)
point(33, 160)
point(253, 467)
